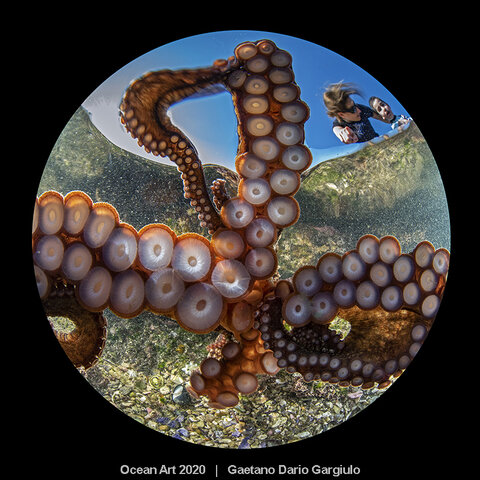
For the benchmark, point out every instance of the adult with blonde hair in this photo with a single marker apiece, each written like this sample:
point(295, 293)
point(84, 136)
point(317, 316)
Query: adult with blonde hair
point(351, 122)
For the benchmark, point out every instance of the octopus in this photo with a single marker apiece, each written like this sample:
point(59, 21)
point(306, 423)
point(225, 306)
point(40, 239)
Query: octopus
point(87, 260)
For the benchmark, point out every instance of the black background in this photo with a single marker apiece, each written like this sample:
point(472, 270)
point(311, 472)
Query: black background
point(62, 427)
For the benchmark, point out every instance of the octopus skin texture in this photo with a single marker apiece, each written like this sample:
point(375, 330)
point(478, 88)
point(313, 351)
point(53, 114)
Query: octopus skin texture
point(86, 259)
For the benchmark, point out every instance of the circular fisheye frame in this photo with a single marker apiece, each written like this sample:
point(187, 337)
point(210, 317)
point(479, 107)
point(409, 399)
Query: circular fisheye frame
point(240, 255)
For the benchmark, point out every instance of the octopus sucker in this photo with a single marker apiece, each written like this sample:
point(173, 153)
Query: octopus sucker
point(50, 212)
point(155, 246)
point(237, 213)
point(297, 310)
point(49, 252)
point(250, 166)
point(283, 211)
point(120, 250)
point(307, 280)
point(94, 289)
point(246, 383)
point(255, 191)
point(77, 209)
point(241, 317)
point(261, 232)
point(285, 182)
point(220, 196)
point(261, 262)
point(77, 262)
point(99, 225)
point(201, 308)
point(192, 257)
point(232, 279)
point(42, 281)
point(163, 290)
point(368, 248)
point(87, 260)
point(229, 244)
point(127, 295)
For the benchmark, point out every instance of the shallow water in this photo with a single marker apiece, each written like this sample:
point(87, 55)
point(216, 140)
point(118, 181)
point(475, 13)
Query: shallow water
point(391, 188)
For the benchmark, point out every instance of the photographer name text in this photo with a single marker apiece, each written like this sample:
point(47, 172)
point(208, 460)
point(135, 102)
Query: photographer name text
point(234, 470)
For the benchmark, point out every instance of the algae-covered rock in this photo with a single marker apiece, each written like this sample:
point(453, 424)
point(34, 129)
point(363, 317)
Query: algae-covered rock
point(377, 176)
point(388, 188)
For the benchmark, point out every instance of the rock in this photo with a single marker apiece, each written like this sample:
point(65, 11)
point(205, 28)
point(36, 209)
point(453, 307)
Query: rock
point(244, 444)
point(181, 396)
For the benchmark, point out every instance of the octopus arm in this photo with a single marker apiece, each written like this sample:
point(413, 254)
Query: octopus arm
point(143, 112)
point(84, 344)
point(220, 195)
point(87, 260)
point(389, 300)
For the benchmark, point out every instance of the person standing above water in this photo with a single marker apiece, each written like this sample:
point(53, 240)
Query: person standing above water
point(351, 122)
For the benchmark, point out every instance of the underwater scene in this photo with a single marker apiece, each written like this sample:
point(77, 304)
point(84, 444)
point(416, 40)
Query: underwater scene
point(253, 302)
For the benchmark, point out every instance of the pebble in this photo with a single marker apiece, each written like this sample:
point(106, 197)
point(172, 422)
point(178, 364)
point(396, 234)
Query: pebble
point(280, 421)
point(181, 396)
point(244, 444)
point(356, 394)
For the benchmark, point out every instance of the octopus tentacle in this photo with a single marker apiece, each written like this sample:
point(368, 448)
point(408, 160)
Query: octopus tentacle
point(143, 112)
point(222, 380)
point(220, 195)
point(84, 345)
point(110, 264)
point(390, 300)
point(270, 117)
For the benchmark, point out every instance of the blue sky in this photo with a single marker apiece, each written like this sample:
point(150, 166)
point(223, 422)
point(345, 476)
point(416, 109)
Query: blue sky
point(210, 121)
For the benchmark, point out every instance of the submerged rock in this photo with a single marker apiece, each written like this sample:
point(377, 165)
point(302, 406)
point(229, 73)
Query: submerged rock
point(181, 396)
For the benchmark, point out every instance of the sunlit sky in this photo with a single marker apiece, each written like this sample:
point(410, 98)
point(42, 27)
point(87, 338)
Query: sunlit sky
point(210, 121)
